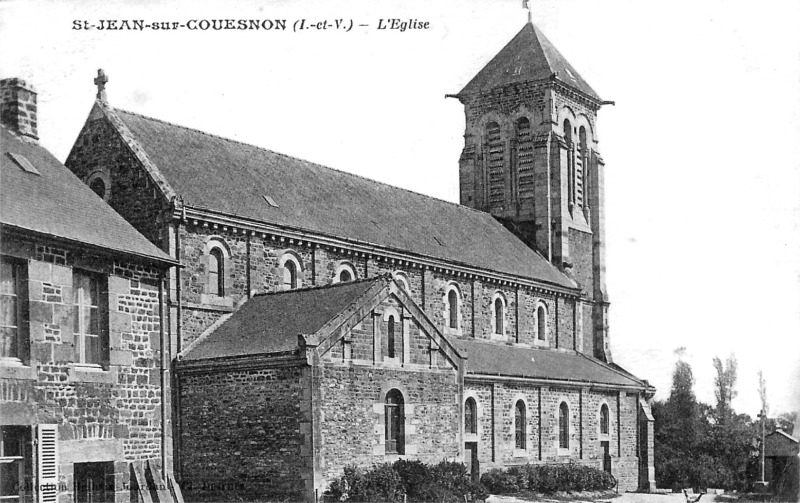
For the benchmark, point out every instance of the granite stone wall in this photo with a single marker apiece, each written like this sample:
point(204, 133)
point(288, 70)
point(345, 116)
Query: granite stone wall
point(496, 402)
point(107, 413)
point(241, 434)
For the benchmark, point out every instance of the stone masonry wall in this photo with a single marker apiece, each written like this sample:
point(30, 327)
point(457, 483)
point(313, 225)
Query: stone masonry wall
point(100, 150)
point(109, 413)
point(253, 262)
point(496, 434)
point(353, 415)
point(241, 434)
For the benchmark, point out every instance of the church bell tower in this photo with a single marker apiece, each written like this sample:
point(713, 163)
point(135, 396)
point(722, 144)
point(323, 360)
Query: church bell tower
point(530, 159)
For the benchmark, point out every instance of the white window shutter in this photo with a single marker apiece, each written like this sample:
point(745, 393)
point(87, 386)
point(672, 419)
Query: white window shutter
point(47, 455)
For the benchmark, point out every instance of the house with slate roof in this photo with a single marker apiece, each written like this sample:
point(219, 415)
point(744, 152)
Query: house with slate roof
point(84, 384)
point(322, 319)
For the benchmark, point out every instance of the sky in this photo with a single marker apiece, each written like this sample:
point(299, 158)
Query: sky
point(701, 148)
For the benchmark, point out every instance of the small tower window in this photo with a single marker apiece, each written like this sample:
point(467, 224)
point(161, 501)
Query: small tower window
point(604, 419)
point(519, 425)
point(496, 171)
point(580, 167)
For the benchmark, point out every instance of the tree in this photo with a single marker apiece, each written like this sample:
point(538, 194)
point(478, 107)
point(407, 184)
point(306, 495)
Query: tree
point(675, 426)
point(725, 387)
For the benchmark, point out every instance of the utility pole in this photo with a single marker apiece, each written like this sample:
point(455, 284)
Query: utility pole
point(761, 485)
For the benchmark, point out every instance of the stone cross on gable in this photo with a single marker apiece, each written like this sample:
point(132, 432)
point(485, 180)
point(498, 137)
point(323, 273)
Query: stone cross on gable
point(100, 81)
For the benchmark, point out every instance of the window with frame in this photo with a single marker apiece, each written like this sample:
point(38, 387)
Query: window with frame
point(563, 426)
point(90, 328)
point(520, 440)
point(394, 417)
point(541, 323)
point(94, 482)
point(390, 340)
point(216, 272)
point(452, 305)
point(499, 315)
point(470, 416)
point(15, 459)
point(13, 316)
point(604, 419)
point(290, 274)
point(344, 273)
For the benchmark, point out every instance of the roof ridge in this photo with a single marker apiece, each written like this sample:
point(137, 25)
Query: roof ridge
point(371, 180)
point(322, 287)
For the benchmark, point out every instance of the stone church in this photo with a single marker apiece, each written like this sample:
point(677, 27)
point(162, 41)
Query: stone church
point(321, 319)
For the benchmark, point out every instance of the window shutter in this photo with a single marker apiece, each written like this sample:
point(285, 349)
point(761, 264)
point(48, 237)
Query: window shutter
point(47, 455)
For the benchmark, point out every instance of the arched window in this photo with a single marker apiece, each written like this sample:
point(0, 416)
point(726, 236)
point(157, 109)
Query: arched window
point(289, 275)
point(394, 418)
point(580, 170)
point(570, 163)
point(525, 180)
point(499, 315)
point(291, 270)
point(470, 416)
point(390, 339)
point(216, 272)
point(496, 172)
point(98, 186)
point(541, 323)
point(344, 273)
point(604, 419)
point(563, 426)
point(519, 425)
point(452, 304)
point(402, 280)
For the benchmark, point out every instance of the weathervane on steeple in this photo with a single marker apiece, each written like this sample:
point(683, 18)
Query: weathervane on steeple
point(526, 4)
point(100, 81)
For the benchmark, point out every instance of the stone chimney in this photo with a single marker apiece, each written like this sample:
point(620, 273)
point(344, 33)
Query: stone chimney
point(18, 107)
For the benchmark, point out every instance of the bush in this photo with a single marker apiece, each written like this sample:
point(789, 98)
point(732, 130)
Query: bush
point(443, 482)
point(547, 479)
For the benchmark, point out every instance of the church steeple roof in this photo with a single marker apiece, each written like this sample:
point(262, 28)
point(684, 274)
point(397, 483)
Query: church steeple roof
point(528, 56)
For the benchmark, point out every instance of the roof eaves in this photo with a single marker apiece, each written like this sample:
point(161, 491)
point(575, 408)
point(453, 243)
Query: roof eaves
point(552, 381)
point(199, 212)
point(152, 259)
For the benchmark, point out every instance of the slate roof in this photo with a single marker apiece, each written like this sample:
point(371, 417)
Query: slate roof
point(528, 56)
point(270, 323)
point(494, 359)
point(57, 203)
point(232, 178)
